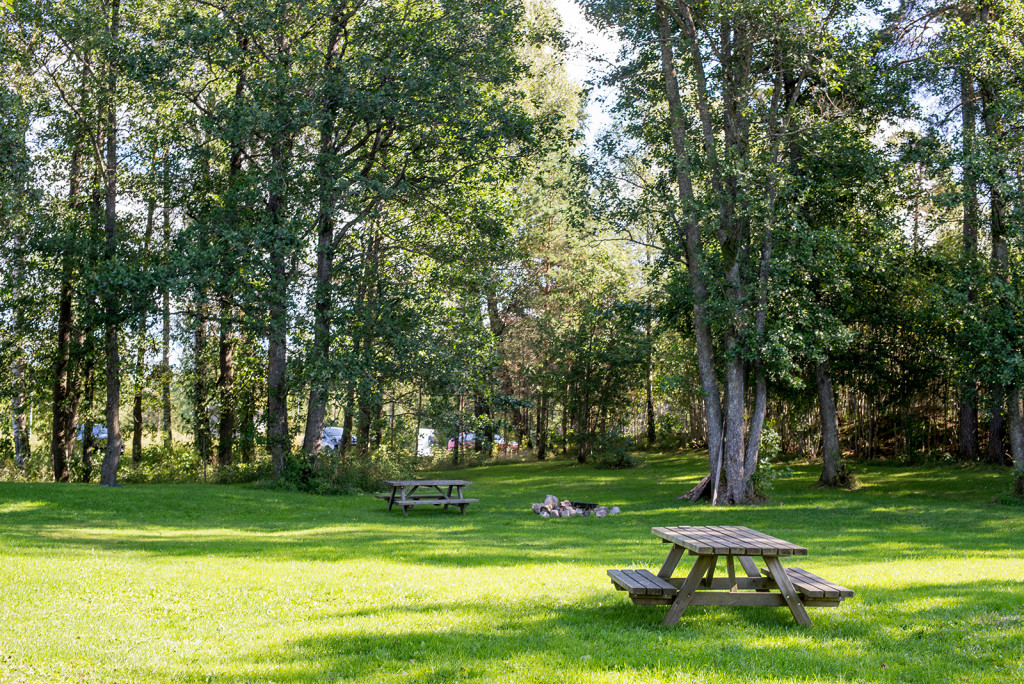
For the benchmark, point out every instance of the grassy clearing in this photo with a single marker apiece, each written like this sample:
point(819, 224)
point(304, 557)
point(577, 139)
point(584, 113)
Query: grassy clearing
point(195, 583)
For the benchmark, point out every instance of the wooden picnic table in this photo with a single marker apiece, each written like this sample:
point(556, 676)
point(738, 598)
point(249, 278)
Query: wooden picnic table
point(792, 587)
point(409, 493)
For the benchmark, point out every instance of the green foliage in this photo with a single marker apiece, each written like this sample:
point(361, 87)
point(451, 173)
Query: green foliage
point(616, 451)
point(768, 470)
point(333, 475)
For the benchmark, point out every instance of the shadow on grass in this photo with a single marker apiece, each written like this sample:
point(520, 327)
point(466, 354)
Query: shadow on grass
point(885, 639)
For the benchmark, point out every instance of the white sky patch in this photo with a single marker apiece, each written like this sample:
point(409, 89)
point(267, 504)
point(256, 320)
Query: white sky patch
point(590, 53)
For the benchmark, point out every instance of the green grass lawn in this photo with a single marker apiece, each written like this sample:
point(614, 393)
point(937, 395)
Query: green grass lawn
point(225, 584)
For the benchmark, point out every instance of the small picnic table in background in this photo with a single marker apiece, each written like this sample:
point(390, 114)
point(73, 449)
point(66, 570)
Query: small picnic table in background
point(409, 493)
point(793, 587)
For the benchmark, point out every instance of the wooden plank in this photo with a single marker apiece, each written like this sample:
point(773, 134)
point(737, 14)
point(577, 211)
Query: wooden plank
point(741, 583)
point(831, 589)
point(427, 483)
point(749, 566)
point(667, 534)
point(788, 592)
point(813, 585)
point(735, 598)
point(662, 586)
point(435, 502)
point(721, 543)
point(697, 541)
point(639, 584)
point(740, 543)
point(651, 600)
point(776, 543)
point(731, 569)
point(710, 576)
point(620, 580)
point(669, 566)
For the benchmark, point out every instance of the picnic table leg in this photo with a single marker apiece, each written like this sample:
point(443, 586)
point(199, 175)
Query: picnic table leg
point(710, 577)
point(391, 501)
point(730, 567)
point(780, 577)
point(686, 591)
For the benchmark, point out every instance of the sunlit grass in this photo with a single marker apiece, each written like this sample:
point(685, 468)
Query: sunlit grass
point(225, 584)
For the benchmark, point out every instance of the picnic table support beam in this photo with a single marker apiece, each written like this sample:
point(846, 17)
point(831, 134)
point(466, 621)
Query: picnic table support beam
point(669, 566)
point(687, 590)
point(788, 592)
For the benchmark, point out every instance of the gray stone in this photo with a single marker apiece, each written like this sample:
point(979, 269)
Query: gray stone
point(545, 514)
point(613, 510)
point(550, 502)
point(537, 507)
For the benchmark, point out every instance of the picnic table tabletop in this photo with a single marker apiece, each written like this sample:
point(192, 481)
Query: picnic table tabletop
point(727, 540)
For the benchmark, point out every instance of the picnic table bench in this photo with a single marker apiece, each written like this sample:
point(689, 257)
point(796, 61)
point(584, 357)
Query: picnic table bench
point(409, 493)
point(772, 586)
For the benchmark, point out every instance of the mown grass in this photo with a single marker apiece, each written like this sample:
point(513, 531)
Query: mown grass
point(194, 583)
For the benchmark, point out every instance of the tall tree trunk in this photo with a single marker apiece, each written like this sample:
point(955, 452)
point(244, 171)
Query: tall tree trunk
point(226, 385)
point(141, 354)
point(22, 444)
point(277, 353)
point(757, 416)
point(1017, 439)
point(542, 427)
point(65, 398)
point(165, 364)
point(200, 392)
point(137, 414)
point(967, 437)
point(115, 445)
point(88, 440)
point(832, 468)
point(694, 250)
point(247, 436)
point(652, 433)
point(318, 391)
point(735, 453)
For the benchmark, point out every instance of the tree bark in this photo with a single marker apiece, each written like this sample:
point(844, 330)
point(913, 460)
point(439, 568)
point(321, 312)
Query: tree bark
point(22, 443)
point(693, 247)
point(226, 386)
point(735, 390)
point(652, 433)
point(277, 389)
point(115, 445)
point(1017, 439)
point(757, 416)
point(542, 428)
point(247, 438)
point(88, 441)
point(200, 392)
point(165, 365)
point(832, 467)
point(967, 434)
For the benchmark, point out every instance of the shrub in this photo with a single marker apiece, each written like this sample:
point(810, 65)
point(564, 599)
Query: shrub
point(615, 450)
point(766, 473)
point(333, 474)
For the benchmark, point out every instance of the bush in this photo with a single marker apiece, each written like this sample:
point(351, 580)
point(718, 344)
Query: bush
point(333, 474)
point(614, 450)
point(766, 473)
